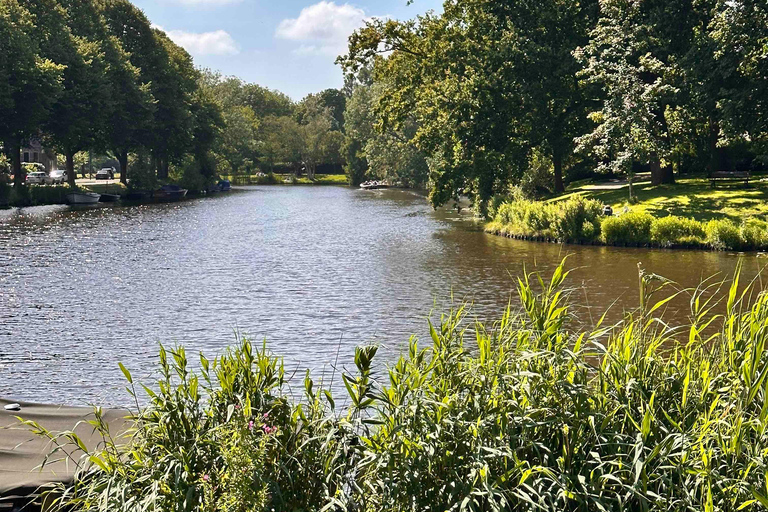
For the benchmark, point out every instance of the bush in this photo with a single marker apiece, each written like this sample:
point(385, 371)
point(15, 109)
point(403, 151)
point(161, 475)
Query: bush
point(630, 228)
point(267, 179)
point(754, 234)
point(671, 231)
point(723, 234)
point(513, 416)
point(577, 219)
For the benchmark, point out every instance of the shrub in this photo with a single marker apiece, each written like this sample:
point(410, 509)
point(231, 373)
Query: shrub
point(630, 228)
point(671, 231)
point(754, 234)
point(723, 234)
point(577, 219)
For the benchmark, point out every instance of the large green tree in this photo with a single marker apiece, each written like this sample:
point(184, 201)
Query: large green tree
point(133, 104)
point(78, 118)
point(29, 82)
point(486, 81)
point(656, 62)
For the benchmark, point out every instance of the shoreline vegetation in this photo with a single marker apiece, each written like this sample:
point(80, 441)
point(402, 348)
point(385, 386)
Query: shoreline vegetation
point(42, 195)
point(734, 221)
point(530, 412)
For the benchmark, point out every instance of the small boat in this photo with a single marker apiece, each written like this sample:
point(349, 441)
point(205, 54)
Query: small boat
point(372, 185)
point(170, 193)
point(83, 198)
point(224, 185)
point(138, 195)
point(109, 198)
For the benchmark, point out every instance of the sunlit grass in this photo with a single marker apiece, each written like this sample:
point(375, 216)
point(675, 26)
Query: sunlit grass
point(689, 197)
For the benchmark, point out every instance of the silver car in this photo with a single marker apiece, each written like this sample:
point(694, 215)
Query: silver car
point(36, 178)
point(57, 177)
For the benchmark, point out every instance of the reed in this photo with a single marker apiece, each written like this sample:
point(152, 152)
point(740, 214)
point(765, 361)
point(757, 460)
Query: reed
point(530, 413)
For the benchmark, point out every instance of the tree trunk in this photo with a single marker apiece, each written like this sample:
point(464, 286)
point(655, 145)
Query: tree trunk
point(163, 169)
point(713, 136)
point(660, 175)
point(70, 155)
point(122, 157)
point(14, 153)
point(557, 161)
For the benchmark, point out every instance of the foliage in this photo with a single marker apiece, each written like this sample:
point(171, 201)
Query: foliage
point(30, 82)
point(629, 228)
point(530, 413)
point(386, 155)
point(669, 231)
point(576, 219)
point(723, 234)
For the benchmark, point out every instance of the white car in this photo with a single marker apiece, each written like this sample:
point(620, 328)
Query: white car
point(36, 178)
point(57, 177)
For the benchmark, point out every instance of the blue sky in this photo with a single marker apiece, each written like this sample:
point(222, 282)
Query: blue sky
point(289, 45)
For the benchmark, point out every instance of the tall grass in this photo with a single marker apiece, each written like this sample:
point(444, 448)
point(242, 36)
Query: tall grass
point(526, 414)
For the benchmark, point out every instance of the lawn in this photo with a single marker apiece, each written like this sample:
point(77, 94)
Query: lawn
point(689, 197)
point(107, 188)
point(320, 179)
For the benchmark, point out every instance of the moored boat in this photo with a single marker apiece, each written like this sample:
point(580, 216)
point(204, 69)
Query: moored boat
point(83, 198)
point(109, 198)
point(170, 193)
point(224, 185)
point(138, 195)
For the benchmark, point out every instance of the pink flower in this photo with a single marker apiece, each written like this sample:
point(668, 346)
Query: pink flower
point(206, 478)
point(266, 415)
point(250, 425)
point(237, 406)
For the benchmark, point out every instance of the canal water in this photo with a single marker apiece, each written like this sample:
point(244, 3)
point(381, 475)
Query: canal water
point(315, 271)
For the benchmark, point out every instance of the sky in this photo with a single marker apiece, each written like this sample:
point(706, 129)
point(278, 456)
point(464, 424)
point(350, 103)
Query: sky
point(288, 45)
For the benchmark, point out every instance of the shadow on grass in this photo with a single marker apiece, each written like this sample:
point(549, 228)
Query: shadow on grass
point(691, 198)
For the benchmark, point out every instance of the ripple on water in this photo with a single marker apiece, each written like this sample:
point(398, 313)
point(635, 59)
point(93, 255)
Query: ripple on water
point(312, 270)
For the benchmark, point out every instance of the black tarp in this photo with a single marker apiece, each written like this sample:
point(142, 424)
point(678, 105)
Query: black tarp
point(22, 452)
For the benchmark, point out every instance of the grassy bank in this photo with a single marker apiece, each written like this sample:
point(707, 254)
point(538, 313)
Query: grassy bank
point(289, 179)
point(689, 197)
point(525, 414)
point(578, 219)
point(32, 195)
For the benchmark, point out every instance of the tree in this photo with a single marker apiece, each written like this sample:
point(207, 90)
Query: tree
point(29, 83)
point(485, 82)
point(740, 29)
point(387, 156)
point(330, 101)
point(133, 105)
point(174, 85)
point(78, 118)
point(655, 61)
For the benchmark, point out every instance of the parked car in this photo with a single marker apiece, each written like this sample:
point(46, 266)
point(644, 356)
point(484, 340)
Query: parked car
point(57, 177)
point(36, 178)
point(105, 174)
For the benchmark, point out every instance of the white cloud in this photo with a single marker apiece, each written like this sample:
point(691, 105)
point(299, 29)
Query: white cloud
point(218, 42)
point(325, 26)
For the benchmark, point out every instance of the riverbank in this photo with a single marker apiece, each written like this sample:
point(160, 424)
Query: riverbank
point(583, 220)
point(288, 179)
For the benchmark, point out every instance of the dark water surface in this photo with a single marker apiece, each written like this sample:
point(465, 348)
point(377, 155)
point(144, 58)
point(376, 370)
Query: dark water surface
point(311, 269)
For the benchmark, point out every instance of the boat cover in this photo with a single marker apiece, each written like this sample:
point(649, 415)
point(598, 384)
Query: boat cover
point(22, 452)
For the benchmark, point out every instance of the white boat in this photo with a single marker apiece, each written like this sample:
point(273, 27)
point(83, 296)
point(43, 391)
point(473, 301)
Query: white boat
point(83, 198)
